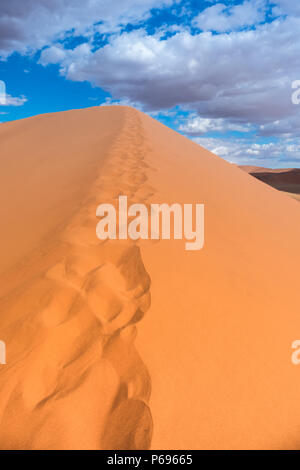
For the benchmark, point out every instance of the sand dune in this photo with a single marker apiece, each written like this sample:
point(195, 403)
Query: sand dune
point(286, 179)
point(94, 362)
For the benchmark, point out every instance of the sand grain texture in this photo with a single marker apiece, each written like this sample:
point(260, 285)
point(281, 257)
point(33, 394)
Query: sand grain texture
point(92, 361)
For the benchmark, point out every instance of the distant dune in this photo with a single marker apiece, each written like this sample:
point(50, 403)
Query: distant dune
point(286, 179)
point(132, 345)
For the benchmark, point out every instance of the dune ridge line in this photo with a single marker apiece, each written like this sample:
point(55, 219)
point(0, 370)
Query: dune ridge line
point(217, 343)
point(76, 380)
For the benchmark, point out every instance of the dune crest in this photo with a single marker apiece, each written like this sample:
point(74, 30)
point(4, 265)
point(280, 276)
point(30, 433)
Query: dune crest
point(209, 366)
point(74, 378)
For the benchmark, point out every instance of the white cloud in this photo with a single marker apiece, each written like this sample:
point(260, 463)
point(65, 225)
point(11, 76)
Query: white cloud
point(286, 7)
point(52, 55)
point(237, 80)
point(284, 153)
point(195, 125)
point(13, 101)
point(242, 78)
point(286, 128)
point(32, 24)
point(221, 18)
point(121, 102)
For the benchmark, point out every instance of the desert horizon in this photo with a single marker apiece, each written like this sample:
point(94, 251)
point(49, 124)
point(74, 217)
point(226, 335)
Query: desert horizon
point(286, 180)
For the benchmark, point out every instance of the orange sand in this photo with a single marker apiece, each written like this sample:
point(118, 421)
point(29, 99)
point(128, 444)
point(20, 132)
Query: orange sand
point(283, 179)
point(209, 365)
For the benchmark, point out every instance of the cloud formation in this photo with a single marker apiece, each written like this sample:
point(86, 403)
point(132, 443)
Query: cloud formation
point(8, 100)
point(245, 152)
point(15, 100)
point(248, 82)
point(27, 26)
point(221, 18)
point(228, 65)
point(195, 125)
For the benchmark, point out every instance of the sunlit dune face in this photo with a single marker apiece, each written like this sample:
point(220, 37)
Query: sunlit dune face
point(132, 344)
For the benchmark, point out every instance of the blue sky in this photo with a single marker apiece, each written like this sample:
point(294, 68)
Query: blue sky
point(220, 73)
